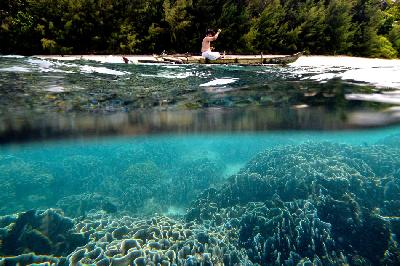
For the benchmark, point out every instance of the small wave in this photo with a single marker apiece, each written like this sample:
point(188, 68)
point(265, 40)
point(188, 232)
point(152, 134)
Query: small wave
point(171, 66)
point(41, 63)
point(218, 82)
point(48, 66)
point(170, 75)
point(12, 56)
point(101, 70)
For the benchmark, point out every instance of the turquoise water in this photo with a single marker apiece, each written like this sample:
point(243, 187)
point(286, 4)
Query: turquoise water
point(248, 170)
point(43, 175)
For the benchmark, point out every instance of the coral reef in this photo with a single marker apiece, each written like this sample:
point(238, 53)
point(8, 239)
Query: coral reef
point(318, 202)
point(144, 188)
point(304, 171)
point(308, 204)
point(136, 241)
point(41, 232)
point(277, 233)
point(80, 205)
point(142, 183)
point(32, 259)
point(157, 240)
point(357, 229)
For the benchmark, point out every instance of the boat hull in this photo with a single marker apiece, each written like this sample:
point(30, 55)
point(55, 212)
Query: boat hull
point(229, 59)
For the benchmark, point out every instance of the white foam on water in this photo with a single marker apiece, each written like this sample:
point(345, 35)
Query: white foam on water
point(375, 97)
point(101, 70)
point(170, 75)
point(15, 69)
point(55, 88)
point(380, 77)
point(219, 82)
point(171, 66)
point(41, 63)
point(343, 61)
point(12, 56)
point(378, 72)
point(324, 77)
point(110, 59)
point(47, 66)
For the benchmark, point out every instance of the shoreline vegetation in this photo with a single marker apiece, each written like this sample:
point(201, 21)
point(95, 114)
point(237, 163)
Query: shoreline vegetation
point(365, 28)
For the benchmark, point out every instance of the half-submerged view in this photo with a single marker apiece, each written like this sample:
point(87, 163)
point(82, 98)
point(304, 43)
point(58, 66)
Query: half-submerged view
point(126, 139)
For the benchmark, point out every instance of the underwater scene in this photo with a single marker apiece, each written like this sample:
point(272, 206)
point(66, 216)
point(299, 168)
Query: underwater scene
point(103, 163)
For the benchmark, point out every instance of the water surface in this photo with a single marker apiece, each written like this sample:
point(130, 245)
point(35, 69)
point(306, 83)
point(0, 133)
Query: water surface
point(62, 98)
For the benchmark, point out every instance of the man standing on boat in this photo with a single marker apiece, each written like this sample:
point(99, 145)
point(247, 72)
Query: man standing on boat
point(206, 45)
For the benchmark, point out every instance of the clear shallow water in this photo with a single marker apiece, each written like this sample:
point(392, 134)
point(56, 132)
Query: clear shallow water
point(224, 165)
point(65, 167)
point(227, 195)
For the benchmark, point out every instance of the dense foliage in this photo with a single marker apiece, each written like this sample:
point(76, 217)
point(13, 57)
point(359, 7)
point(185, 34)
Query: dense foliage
point(354, 27)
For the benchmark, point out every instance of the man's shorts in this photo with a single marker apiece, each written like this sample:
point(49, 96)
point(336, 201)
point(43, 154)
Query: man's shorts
point(211, 55)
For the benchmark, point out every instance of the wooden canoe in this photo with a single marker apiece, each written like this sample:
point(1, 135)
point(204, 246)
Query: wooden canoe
point(228, 59)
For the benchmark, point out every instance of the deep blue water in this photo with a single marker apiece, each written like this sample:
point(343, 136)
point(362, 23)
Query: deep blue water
point(196, 165)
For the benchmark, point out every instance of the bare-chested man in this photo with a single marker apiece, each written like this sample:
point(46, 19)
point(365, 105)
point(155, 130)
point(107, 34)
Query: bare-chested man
point(206, 45)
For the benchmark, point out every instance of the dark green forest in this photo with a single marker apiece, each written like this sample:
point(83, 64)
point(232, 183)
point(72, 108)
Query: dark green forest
point(351, 27)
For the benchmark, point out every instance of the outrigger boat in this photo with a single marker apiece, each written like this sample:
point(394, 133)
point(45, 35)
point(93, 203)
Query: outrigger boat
point(180, 59)
point(227, 59)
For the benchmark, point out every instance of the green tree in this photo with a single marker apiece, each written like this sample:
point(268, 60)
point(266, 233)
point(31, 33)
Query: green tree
point(179, 19)
point(235, 23)
point(359, 27)
point(268, 32)
point(312, 20)
point(367, 18)
point(394, 37)
point(338, 31)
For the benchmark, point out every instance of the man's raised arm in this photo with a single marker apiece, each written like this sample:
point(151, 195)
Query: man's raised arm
point(213, 38)
point(216, 35)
